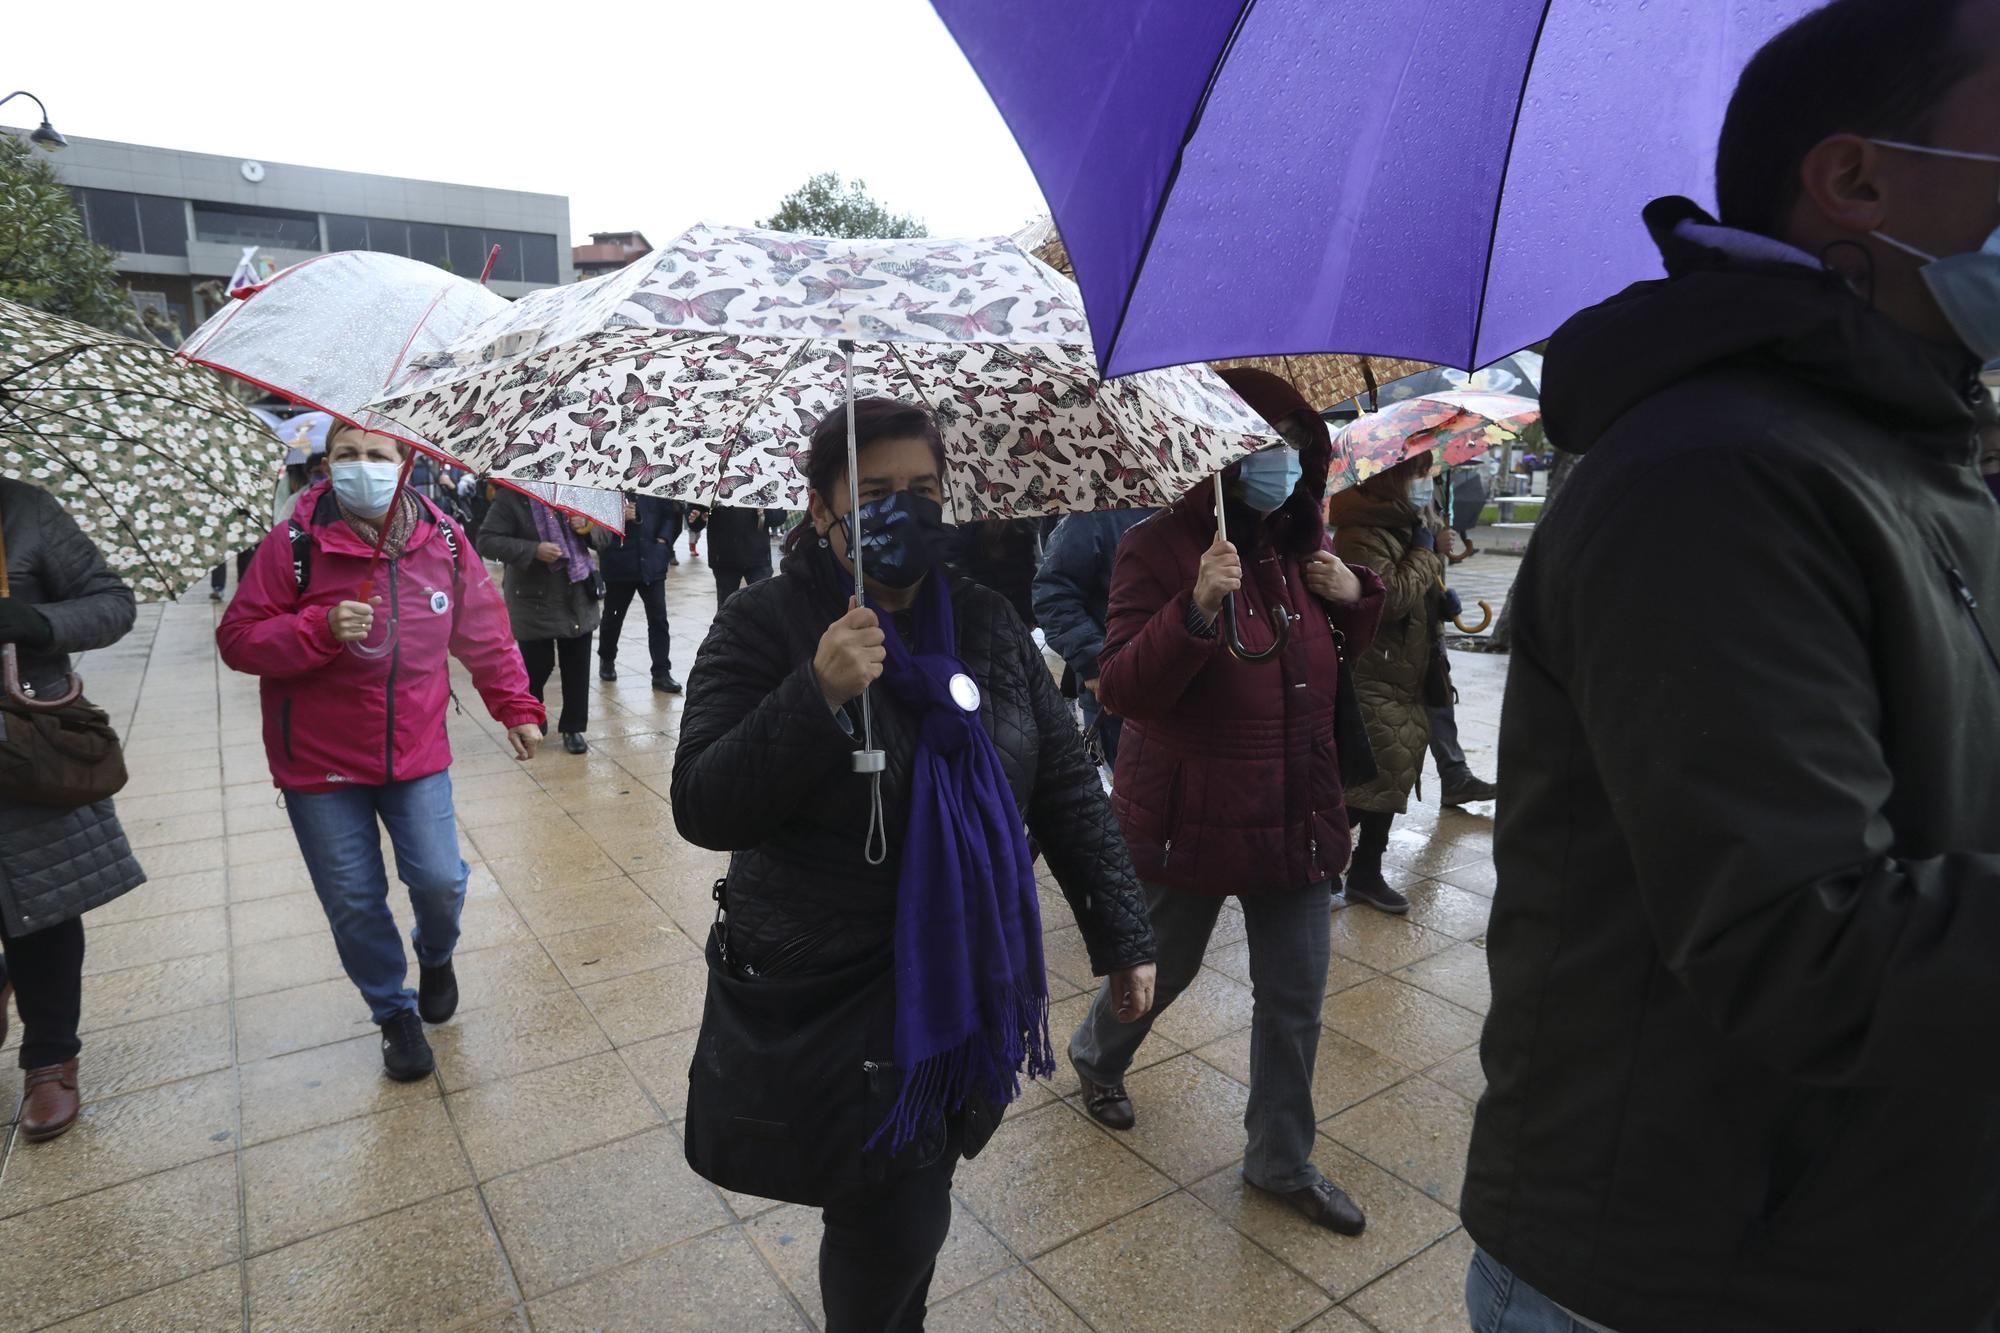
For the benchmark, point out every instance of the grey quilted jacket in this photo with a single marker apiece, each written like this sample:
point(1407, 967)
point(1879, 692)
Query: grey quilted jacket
point(58, 864)
point(763, 769)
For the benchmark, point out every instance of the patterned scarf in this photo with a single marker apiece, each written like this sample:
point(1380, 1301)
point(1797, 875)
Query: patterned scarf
point(402, 518)
point(553, 527)
point(972, 998)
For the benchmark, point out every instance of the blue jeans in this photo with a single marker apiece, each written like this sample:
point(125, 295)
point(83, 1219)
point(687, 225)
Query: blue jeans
point(1499, 1302)
point(343, 851)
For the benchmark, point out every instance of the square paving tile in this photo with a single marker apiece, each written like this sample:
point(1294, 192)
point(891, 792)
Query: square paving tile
point(565, 1220)
point(549, 1112)
point(124, 1138)
point(299, 1018)
point(1401, 1221)
point(90, 1251)
point(1176, 1265)
point(1458, 974)
point(264, 919)
point(124, 944)
point(345, 1172)
point(154, 1051)
point(1344, 1071)
point(1449, 910)
point(556, 910)
point(290, 1094)
point(1462, 1074)
point(1410, 1026)
point(268, 879)
point(153, 990)
point(714, 1284)
point(504, 972)
point(1050, 1176)
point(514, 1036)
point(1383, 942)
point(553, 871)
point(649, 1004)
point(1425, 1295)
point(165, 896)
point(636, 944)
point(212, 1301)
point(1212, 1006)
point(259, 969)
point(431, 1266)
point(661, 1066)
point(1416, 1129)
point(1190, 1117)
point(1016, 1301)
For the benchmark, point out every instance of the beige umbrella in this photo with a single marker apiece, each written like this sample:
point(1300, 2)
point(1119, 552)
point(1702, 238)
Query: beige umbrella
point(1322, 379)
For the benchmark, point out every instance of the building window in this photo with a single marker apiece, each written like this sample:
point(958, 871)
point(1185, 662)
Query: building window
point(389, 237)
point(346, 233)
point(429, 243)
point(224, 224)
point(538, 258)
point(466, 247)
point(112, 219)
point(507, 264)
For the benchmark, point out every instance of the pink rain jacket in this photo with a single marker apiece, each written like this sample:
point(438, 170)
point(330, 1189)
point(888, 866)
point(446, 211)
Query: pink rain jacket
point(333, 717)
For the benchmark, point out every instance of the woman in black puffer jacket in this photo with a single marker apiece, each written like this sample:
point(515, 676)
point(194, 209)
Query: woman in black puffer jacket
point(816, 988)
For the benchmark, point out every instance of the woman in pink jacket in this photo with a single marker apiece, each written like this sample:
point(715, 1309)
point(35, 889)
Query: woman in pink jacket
point(354, 696)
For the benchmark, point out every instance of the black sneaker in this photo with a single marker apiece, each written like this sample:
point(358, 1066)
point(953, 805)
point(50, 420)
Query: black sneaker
point(606, 671)
point(1368, 886)
point(667, 684)
point(1468, 791)
point(406, 1056)
point(437, 992)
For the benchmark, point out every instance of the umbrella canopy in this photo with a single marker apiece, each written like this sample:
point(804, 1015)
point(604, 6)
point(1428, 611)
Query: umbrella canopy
point(333, 331)
point(303, 435)
point(699, 372)
point(152, 458)
point(1248, 177)
point(1461, 426)
point(1322, 379)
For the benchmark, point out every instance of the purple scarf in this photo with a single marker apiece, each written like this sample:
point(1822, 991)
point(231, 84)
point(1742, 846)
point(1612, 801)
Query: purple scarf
point(972, 999)
point(553, 527)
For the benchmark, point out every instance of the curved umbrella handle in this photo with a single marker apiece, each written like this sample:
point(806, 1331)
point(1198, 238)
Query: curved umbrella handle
point(10, 674)
point(1486, 618)
point(1281, 633)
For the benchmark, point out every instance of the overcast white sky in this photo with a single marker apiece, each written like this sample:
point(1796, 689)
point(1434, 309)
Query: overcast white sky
point(648, 114)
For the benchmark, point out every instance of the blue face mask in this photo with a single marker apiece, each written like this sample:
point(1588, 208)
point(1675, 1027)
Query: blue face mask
point(1267, 478)
point(903, 537)
point(366, 486)
point(1422, 492)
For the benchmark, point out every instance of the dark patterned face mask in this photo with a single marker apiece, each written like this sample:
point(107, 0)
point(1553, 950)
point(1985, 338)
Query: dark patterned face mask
point(903, 537)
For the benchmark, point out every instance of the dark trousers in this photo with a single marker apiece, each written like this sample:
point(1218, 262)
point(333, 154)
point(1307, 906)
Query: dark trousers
point(541, 656)
point(728, 578)
point(879, 1251)
point(1374, 840)
point(46, 969)
point(218, 578)
point(617, 600)
point(1453, 771)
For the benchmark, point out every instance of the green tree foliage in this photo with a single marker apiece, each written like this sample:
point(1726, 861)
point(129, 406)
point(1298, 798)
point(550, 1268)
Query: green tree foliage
point(47, 259)
point(828, 206)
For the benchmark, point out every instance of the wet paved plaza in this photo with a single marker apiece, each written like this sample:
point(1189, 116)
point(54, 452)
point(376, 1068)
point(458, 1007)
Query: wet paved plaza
point(242, 1163)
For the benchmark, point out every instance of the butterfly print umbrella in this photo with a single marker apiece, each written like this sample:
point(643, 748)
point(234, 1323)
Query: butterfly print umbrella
point(699, 371)
point(151, 456)
point(331, 332)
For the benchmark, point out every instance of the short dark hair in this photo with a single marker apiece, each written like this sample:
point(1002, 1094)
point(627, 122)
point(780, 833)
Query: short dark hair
point(874, 419)
point(1871, 67)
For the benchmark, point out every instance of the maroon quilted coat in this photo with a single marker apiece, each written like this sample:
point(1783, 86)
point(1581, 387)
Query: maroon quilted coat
point(1227, 779)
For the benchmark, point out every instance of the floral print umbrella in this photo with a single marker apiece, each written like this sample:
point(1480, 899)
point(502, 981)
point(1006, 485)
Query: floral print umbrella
point(1460, 425)
point(698, 372)
point(153, 459)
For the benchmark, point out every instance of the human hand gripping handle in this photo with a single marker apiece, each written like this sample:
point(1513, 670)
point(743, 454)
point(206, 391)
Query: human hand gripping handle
point(1132, 992)
point(850, 655)
point(351, 622)
point(548, 552)
point(1220, 573)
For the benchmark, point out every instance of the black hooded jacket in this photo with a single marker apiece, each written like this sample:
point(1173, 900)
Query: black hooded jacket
point(1746, 943)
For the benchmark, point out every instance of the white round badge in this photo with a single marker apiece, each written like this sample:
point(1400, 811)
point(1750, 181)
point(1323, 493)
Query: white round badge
point(965, 692)
point(440, 603)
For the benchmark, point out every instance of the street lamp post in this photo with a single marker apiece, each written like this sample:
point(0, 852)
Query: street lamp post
point(45, 135)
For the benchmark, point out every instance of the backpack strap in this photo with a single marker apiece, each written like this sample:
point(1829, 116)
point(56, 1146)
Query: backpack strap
point(302, 550)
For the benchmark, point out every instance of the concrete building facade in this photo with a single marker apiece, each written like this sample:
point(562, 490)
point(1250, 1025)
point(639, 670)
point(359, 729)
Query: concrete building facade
point(179, 219)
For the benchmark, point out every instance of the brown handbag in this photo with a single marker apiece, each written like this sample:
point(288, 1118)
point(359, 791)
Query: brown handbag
point(61, 752)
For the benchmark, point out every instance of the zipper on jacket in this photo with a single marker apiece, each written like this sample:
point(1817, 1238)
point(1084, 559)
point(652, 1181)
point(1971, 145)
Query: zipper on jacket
point(1967, 599)
point(395, 660)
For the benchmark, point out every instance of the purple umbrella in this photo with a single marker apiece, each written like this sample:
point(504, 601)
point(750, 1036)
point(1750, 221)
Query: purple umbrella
point(1444, 181)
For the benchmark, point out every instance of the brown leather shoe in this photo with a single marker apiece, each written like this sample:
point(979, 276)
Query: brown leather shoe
point(1110, 1106)
point(51, 1104)
point(1327, 1205)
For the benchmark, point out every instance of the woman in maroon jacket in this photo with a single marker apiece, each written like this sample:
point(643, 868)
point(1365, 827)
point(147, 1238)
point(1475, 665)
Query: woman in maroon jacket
point(1227, 779)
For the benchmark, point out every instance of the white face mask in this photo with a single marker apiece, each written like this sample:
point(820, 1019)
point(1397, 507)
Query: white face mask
point(1965, 286)
point(1422, 492)
point(365, 486)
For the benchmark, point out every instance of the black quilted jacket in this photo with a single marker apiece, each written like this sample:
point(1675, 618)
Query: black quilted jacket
point(763, 770)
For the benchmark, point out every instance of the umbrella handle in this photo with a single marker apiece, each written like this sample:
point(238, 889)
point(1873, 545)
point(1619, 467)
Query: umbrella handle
point(1486, 618)
point(1281, 633)
point(10, 671)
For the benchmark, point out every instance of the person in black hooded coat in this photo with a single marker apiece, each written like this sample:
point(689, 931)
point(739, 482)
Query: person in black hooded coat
point(1743, 945)
point(764, 770)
